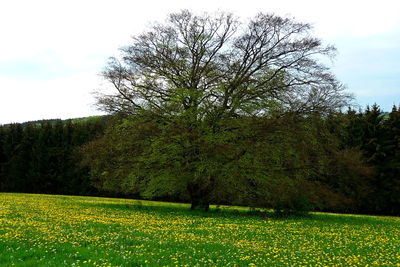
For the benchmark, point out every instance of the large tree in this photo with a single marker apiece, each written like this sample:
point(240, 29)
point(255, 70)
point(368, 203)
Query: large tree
point(197, 80)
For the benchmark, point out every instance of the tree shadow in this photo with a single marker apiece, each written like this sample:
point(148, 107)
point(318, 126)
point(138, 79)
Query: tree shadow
point(182, 209)
point(232, 212)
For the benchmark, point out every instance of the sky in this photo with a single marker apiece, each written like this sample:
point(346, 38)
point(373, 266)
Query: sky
point(52, 52)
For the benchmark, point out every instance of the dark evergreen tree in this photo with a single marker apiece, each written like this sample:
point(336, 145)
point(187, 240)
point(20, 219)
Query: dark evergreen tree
point(12, 168)
point(387, 182)
point(43, 158)
point(3, 158)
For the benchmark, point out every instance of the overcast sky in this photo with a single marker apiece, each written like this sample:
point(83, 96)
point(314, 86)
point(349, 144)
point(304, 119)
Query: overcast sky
point(51, 52)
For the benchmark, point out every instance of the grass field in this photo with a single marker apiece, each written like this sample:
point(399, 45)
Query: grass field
point(45, 230)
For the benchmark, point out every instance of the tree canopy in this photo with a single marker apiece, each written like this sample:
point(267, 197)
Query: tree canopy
point(213, 66)
point(214, 108)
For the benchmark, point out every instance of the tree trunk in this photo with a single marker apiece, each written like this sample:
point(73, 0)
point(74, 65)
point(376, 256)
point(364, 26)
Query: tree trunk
point(199, 197)
point(198, 204)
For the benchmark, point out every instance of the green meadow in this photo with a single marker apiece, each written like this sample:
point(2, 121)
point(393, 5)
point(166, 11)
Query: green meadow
point(49, 230)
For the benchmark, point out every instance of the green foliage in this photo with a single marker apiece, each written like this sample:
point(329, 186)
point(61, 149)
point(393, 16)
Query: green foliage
point(343, 162)
point(41, 157)
point(376, 134)
point(282, 163)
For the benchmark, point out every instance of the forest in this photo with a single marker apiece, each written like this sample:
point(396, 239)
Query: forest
point(346, 162)
point(41, 157)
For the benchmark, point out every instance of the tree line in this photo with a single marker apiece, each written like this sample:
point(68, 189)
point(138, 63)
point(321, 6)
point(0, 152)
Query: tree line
point(377, 135)
point(42, 157)
point(345, 162)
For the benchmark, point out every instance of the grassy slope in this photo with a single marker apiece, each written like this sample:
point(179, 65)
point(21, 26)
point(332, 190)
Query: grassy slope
point(44, 230)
